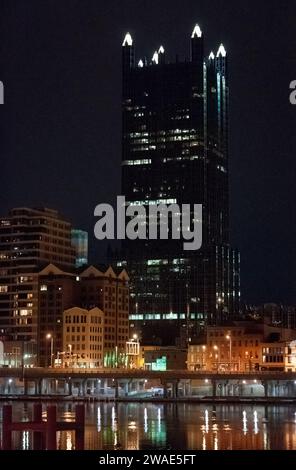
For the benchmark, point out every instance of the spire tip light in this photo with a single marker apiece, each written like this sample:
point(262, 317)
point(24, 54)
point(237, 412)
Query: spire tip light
point(221, 51)
point(128, 41)
point(196, 32)
point(155, 57)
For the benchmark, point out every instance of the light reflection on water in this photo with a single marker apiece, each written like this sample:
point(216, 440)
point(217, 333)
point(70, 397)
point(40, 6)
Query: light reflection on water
point(171, 426)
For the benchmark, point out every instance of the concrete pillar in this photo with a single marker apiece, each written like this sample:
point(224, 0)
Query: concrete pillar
point(265, 385)
point(292, 388)
point(225, 389)
point(92, 386)
point(85, 387)
point(8, 387)
point(219, 385)
point(45, 386)
point(187, 388)
point(97, 387)
point(68, 387)
point(116, 390)
point(81, 388)
point(126, 387)
point(54, 386)
point(105, 387)
point(214, 388)
point(165, 389)
point(26, 384)
point(176, 387)
point(137, 385)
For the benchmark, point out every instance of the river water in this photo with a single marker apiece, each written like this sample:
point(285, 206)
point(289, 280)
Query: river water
point(132, 426)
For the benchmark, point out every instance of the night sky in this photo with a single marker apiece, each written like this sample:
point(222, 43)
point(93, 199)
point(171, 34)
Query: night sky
point(60, 129)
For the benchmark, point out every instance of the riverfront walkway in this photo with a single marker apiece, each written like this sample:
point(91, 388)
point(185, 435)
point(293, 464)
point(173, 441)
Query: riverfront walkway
point(143, 384)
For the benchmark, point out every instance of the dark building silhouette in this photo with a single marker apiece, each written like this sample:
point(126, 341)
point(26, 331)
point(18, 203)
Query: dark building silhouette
point(175, 150)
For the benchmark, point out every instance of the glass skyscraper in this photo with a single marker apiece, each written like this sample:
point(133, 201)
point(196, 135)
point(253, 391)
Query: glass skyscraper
point(175, 150)
point(79, 239)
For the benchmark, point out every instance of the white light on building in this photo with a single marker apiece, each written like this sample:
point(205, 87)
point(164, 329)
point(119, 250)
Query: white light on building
point(128, 41)
point(196, 32)
point(221, 51)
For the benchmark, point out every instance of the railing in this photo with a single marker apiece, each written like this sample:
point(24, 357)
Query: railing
point(33, 372)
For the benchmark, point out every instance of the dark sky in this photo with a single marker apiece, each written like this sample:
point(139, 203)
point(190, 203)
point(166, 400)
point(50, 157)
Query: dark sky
point(60, 61)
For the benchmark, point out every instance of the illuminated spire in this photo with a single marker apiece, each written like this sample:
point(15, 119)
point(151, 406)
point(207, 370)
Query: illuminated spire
point(221, 51)
point(155, 57)
point(128, 41)
point(140, 63)
point(196, 32)
point(212, 56)
point(161, 50)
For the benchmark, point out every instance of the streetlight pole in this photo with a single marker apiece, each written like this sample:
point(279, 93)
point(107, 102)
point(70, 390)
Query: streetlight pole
point(50, 336)
point(202, 356)
point(230, 350)
point(215, 347)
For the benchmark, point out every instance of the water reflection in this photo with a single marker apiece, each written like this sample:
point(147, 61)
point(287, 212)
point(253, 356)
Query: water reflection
point(177, 426)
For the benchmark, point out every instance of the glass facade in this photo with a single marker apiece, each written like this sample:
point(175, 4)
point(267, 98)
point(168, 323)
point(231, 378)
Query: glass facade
point(79, 240)
point(175, 148)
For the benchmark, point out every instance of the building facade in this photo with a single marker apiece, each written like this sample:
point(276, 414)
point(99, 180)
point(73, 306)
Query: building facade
point(163, 358)
point(175, 150)
point(89, 287)
point(83, 338)
point(244, 346)
point(58, 291)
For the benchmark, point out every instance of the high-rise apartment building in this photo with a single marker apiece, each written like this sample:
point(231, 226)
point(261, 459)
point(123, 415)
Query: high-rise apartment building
point(29, 239)
point(175, 150)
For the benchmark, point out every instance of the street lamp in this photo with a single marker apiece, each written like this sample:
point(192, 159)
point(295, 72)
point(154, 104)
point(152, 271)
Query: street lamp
point(215, 347)
point(228, 337)
point(70, 355)
point(220, 302)
point(49, 336)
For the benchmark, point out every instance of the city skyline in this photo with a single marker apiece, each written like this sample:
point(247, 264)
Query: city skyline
point(258, 188)
point(147, 230)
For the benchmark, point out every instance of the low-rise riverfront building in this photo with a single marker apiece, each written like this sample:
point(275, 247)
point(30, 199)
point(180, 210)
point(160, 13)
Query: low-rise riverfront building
point(83, 338)
point(244, 346)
